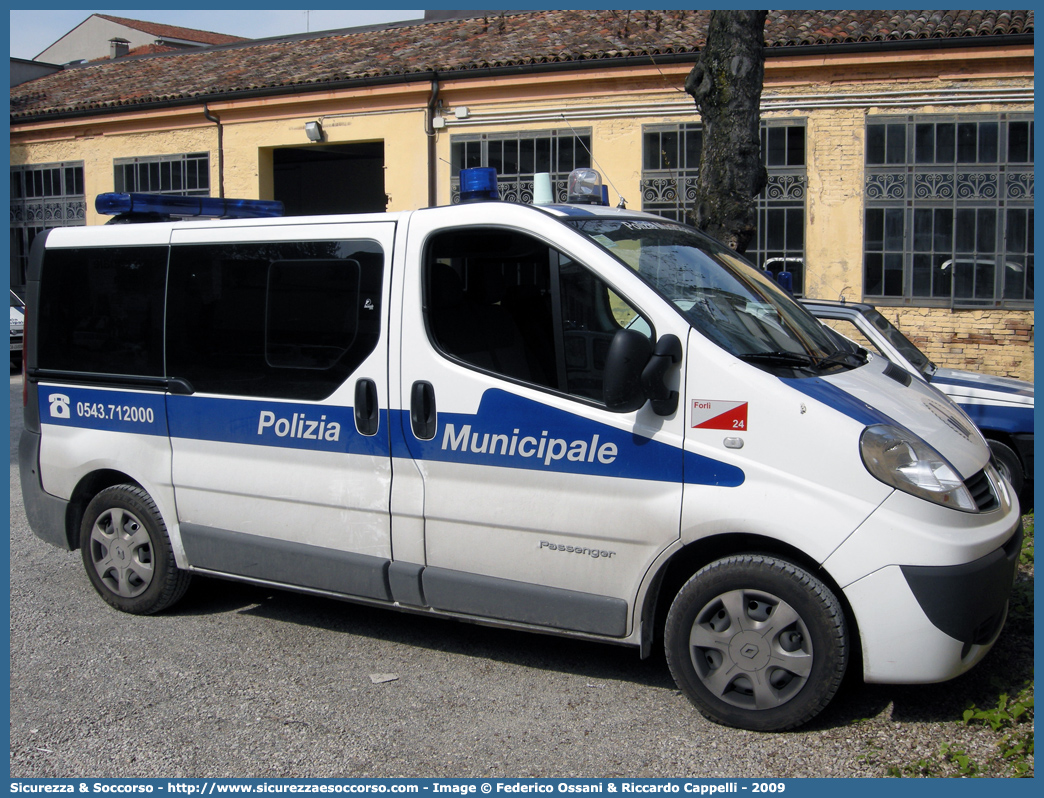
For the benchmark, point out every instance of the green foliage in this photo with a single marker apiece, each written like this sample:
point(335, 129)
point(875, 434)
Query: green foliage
point(1013, 717)
point(1026, 555)
point(1007, 713)
point(921, 769)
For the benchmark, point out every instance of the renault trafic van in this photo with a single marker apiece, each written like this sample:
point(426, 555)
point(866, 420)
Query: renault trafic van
point(568, 419)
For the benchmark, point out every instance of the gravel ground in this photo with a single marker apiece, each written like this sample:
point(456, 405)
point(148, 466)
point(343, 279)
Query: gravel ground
point(241, 681)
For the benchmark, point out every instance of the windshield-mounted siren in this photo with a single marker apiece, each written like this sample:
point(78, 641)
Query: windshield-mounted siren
point(585, 188)
point(161, 207)
point(478, 184)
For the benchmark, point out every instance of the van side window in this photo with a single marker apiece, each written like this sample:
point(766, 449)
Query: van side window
point(508, 303)
point(288, 320)
point(101, 310)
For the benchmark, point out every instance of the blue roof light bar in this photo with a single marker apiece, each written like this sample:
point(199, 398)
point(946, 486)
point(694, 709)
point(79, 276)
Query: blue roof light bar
point(113, 204)
point(478, 183)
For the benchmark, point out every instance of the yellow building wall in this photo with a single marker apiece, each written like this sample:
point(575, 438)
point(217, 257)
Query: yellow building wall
point(834, 204)
point(249, 146)
point(997, 341)
point(98, 152)
point(993, 341)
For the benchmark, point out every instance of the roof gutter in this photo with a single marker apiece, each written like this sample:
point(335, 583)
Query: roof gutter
point(687, 57)
point(888, 45)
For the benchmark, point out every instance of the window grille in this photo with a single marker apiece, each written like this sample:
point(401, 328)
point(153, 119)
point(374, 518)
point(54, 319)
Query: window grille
point(187, 174)
point(949, 210)
point(43, 196)
point(670, 171)
point(519, 156)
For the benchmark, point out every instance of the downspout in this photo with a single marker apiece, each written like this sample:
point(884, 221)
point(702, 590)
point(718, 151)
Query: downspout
point(429, 130)
point(221, 149)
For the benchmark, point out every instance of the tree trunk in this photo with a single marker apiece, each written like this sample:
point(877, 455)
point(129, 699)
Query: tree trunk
point(726, 85)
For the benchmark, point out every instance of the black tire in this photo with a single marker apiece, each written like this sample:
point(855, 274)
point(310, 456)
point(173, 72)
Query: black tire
point(757, 643)
point(1009, 465)
point(127, 554)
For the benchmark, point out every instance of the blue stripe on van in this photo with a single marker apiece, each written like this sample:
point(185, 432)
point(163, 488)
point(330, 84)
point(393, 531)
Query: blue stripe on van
point(507, 432)
point(287, 425)
point(1013, 420)
point(842, 401)
point(97, 408)
point(511, 432)
point(993, 387)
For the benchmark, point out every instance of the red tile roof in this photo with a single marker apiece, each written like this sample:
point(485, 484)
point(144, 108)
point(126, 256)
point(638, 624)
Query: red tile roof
point(145, 49)
point(173, 31)
point(514, 43)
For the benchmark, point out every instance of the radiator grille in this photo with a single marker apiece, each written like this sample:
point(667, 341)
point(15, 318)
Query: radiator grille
point(982, 491)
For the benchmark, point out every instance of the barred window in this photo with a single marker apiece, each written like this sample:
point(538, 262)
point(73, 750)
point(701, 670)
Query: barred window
point(670, 171)
point(949, 211)
point(43, 196)
point(519, 156)
point(187, 175)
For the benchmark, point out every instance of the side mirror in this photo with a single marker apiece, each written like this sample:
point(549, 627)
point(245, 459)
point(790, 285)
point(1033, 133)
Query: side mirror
point(628, 356)
point(667, 352)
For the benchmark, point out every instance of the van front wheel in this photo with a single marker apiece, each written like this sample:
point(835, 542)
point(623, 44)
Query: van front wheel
point(757, 642)
point(127, 554)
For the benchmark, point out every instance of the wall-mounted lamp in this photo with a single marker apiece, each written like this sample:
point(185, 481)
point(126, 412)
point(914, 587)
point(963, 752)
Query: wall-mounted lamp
point(314, 131)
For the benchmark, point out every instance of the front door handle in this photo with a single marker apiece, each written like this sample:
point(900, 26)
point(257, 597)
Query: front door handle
point(367, 417)
point(423, 416)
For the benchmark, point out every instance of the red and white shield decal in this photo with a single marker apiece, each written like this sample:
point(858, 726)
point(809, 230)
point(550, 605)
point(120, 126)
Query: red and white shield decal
point(717, 414)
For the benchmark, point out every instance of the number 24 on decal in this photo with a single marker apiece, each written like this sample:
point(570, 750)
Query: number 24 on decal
point(738, 423)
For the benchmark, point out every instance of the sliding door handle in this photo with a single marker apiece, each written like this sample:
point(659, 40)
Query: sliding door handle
point(367, 413)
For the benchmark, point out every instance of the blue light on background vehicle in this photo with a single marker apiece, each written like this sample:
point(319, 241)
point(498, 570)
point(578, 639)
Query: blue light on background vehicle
point(478, 183)
point(113, 204)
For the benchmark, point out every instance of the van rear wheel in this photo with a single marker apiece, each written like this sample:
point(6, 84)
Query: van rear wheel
point(127, 553)
point(757, 642)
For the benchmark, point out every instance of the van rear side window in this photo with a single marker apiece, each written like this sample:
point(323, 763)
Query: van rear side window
point(313, 312)
point(101, 310)
point(287, 320)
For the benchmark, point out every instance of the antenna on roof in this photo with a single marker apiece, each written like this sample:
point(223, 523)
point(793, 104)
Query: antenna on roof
point(623, 202)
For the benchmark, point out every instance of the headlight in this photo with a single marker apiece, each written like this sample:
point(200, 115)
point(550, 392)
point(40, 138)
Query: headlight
point(899, 458)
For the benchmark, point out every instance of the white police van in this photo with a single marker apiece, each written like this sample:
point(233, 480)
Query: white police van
point(569, 419)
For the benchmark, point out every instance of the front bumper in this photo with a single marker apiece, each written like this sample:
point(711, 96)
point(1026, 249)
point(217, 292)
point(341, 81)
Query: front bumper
point(968, 602)
point(923, 624)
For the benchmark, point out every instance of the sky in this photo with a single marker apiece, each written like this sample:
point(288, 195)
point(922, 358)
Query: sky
point(34, 31)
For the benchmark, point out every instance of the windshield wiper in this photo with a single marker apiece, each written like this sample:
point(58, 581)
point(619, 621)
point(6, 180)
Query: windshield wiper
point(791, 359)
point(843, 357)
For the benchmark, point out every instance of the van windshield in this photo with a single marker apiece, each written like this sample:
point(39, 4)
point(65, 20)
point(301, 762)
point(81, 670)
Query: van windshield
point(721, 295)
